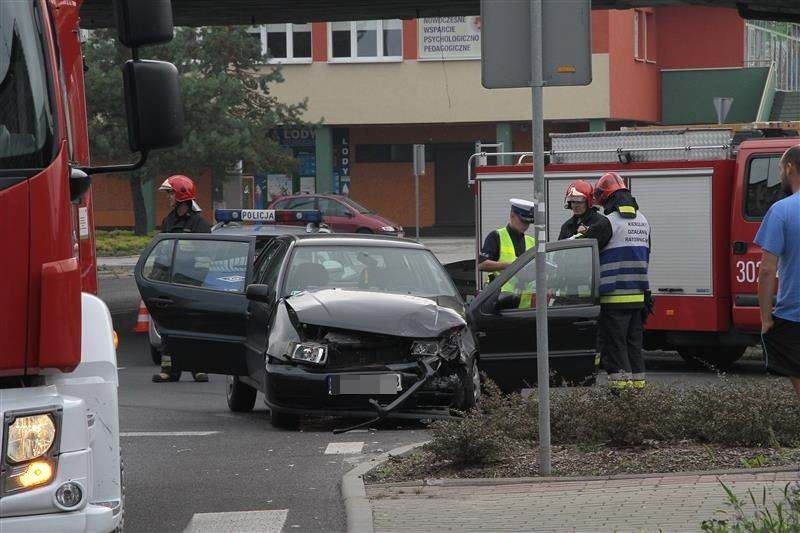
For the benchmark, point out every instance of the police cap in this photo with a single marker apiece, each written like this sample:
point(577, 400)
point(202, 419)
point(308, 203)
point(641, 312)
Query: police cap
point(523, 208)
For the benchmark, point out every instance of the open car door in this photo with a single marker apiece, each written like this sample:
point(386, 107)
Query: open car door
point(503, 316)
point(194, 288)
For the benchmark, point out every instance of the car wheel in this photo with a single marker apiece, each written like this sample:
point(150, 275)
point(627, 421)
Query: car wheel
point(472, 386)
point(284, 420)
point(155, 355)
point(711, 357)
point(241, 396)
point(364, 230)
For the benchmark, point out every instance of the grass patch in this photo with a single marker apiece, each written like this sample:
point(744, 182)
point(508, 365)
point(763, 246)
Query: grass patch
point(120, 242)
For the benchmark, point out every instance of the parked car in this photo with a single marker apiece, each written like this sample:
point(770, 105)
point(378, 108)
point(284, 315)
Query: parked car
point(341, 214)
point(357, 325)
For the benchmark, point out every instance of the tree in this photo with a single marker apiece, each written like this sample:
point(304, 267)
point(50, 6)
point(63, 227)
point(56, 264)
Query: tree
point(228, 107)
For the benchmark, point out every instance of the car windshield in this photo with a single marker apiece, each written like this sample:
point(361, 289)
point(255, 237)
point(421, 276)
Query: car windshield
point(27, 125)
point(397, 270)
point(358, 207)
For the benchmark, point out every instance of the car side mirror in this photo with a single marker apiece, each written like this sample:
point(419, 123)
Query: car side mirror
point(506, 300)
point(259, 293)
point(153, 104)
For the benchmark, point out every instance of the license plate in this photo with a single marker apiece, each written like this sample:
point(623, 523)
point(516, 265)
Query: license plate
point(371, 384)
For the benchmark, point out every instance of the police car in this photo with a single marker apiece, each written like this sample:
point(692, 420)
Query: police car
point(264, 225)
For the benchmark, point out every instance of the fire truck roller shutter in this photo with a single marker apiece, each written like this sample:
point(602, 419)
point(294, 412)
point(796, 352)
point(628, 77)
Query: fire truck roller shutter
point(678, 207)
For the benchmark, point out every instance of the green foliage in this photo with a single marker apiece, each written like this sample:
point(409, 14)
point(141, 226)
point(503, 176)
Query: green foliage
point(120, 242)
point(782, 516)
point(228, 106)
point(732, 413)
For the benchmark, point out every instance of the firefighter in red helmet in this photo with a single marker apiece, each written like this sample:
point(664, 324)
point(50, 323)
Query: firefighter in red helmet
point(184, 217)
point(624, 287)
point(585, 221)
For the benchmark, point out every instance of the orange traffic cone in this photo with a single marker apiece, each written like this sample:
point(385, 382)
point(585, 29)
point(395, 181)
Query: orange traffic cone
point(143, 321)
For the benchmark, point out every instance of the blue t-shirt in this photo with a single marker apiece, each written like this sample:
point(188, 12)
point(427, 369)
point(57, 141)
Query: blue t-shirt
point(779, 235)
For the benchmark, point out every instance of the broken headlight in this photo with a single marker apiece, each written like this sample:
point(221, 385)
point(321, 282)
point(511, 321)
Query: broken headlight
point(308, 352)
point(425, 348)
point(448, 347)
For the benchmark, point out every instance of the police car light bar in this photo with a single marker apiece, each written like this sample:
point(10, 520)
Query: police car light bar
point(271, 216)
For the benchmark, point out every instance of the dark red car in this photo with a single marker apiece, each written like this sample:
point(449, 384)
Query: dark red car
point(341, 214)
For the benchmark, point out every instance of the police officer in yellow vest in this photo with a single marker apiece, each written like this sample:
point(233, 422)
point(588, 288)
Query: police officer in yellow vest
point(504, 245)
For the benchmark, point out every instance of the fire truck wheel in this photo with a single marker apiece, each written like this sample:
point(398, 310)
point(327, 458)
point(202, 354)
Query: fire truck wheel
point(241, 396)
point(711, 357)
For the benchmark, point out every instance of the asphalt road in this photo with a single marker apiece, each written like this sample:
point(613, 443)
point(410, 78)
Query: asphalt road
point(229, 462)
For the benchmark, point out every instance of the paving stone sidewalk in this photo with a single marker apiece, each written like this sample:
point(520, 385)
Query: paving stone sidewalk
point(673, 503)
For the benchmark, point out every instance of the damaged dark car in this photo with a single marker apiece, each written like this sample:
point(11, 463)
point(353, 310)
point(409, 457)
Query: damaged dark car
point(341, 325)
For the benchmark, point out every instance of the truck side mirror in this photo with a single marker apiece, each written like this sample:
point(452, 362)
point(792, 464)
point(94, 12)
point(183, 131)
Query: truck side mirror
point(153, 104)
point(143, 22)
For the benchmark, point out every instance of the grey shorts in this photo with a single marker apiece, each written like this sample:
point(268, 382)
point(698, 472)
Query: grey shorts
point(782, 347)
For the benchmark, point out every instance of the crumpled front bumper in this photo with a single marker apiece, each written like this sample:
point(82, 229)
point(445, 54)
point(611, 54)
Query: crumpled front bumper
point(300, 390)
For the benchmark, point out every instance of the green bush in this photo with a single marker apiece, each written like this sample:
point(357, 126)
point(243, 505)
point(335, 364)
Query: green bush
point(782, 516)
point(732, 413)
point(120, 242)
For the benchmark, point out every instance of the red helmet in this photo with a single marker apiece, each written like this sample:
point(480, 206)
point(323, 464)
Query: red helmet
point(182, 186)
point(578, 191)
point(609, 183)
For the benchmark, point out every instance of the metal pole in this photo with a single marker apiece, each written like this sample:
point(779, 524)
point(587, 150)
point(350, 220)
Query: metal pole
point(416, 202)
point(537, 131)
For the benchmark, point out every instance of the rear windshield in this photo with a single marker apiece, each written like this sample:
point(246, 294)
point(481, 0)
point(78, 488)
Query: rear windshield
point(763, 186)
point(27, 127)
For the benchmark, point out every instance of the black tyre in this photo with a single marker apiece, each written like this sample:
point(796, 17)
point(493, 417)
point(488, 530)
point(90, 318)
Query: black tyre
point(241, 396)
point(711, 357)
point(155, 355)
point(364, 230)
point(284, 420)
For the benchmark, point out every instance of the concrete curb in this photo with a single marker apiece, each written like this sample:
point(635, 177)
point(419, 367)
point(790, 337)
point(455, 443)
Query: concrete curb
point(356, 504)
point(487, 482)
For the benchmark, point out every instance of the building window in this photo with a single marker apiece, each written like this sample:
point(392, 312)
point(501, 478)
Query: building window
point(644, 36)
point(284, 43)
point(383, 153)
point(365, 40)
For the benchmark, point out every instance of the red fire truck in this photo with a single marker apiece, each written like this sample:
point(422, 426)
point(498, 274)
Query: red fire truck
point(60, 467)
point(704, 191)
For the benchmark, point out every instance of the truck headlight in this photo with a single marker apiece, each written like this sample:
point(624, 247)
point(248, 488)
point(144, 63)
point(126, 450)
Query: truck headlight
point(30, 437)
point(308, 352)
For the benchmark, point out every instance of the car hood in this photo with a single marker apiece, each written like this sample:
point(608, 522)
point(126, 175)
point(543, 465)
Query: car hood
point(374, 312)
point(385, 221)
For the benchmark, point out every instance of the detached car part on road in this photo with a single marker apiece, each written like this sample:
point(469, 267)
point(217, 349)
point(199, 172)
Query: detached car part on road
point(363, 326)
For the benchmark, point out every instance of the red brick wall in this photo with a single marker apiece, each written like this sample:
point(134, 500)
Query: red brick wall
point(388, 189)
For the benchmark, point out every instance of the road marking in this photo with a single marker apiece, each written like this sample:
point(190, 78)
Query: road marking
point(241, 522)
point(167, 433)
point(341, 448)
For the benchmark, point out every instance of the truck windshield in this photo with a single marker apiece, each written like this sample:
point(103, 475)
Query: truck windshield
point(27, 127)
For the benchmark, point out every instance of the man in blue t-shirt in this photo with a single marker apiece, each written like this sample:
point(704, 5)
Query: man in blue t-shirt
point(779, 239)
